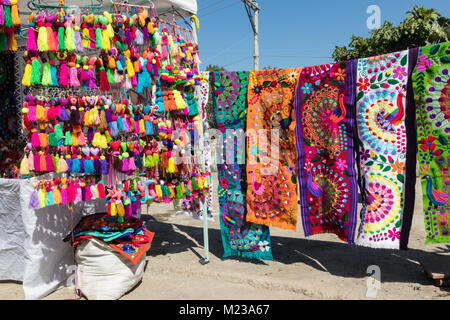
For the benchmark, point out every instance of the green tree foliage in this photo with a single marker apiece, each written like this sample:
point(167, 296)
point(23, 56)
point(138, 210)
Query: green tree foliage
point(421, 27)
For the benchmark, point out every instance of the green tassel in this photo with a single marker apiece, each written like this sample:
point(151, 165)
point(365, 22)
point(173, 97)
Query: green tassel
point(110, 75)
point(8, 16)
point(58, 133)
point(156, 158)
point(121, 46)
point(179, 193)
point(46, 74)
point(61, 44)
point(35, 72)
point(166, 191)
point(68, 141)
point(52, 139)
point(187, 190)
point(98, 38)
point(194, 184)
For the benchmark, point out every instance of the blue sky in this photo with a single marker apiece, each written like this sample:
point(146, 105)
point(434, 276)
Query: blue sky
point(291, 33)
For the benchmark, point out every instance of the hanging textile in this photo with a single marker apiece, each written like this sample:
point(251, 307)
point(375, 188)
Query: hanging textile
point(380, 117)
point(432, 93)
point(324, 106)
point(271, 157)
point(239, 237)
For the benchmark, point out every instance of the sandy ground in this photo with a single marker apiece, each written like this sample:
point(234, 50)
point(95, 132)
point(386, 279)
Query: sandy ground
point(319, 267)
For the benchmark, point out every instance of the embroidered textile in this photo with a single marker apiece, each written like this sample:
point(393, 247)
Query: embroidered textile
point(431, 82)
point(380, 117)
point(326, 162)
point(239, 237)
point(271, 157)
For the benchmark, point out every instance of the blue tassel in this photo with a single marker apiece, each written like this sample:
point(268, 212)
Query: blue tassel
point(114, 129)
point(140, 86)
point(49, 199)
point(120, 123)
point(149, 128)
point(76, 165)
point(54, 75)
point(89, 166)
point(146, 109)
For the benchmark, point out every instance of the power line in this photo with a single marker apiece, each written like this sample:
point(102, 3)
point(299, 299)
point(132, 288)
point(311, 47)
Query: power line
point(275, 56)
point(229, 64)
point(220, 9)
point(228, 48)
point(212, 5)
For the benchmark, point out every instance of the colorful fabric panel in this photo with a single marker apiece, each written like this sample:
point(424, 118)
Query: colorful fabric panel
point(239, 236)
point(272, 156)
point(380, 116)
point(326, 161)
point(431, 82)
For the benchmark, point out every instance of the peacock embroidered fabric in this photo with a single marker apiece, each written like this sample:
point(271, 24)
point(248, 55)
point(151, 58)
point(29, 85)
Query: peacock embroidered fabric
point(431, 83)
point(239, 237)
point(272, 189)
point(380, 118)
point(324, 109)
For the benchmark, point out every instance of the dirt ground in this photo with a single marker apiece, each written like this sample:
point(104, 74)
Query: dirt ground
point(319, 267)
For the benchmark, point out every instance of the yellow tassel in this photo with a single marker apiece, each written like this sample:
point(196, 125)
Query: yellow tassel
point(15, 13)
point(24, 169)
point(171, 165)
point(56, 195)
point(130, 68)
point(86, 43)
point(113, 209)
point(97, 139)
point(74, 139)
point(158, 190)
point(107, 136)
point(12, 42)
point(26, 80)
point(42, 198)
point(120, 209)
point(87, 119)
point(106, 42)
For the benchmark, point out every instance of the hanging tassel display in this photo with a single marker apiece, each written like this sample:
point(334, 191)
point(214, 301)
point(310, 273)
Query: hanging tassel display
point(76, 166)
point(74, 82)
point(69, 39)
point(56, 195)
point(62, 165)
point(63, 76)
point(54, 73)
point(49, 163)
point(89, 166)
point(49, 20)
point(24, 168)
point(42, 41)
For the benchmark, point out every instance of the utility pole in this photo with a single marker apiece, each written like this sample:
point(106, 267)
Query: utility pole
point(252, 5)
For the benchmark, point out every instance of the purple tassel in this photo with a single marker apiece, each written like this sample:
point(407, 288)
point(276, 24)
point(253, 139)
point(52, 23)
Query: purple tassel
point(81, 165)
point(63, 116)
point(108, 115)
point(125, 165)
point(97, 167)
point(34, 201)
point(104, 166)
point(83, 194)
point(134, 208)
point(78, 43)
point(69, 164)
point(90, 134)
point(91, 81)
point(145, 36)
point(128, 37)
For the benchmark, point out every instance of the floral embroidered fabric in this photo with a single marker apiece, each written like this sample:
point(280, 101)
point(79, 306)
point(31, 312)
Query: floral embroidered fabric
point(326, 162)
point(272, 157)
point(431, 82)
point(380, 117)
point(239, 237)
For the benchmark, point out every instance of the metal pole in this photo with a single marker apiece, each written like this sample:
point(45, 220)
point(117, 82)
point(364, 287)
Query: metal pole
point(256, 47)
point(205, 259)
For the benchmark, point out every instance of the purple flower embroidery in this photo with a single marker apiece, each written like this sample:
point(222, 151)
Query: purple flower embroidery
point(365, 155)
point(424, 63)
point(400, 72)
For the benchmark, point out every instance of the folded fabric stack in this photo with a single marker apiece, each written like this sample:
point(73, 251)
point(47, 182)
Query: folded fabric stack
point(130, 237)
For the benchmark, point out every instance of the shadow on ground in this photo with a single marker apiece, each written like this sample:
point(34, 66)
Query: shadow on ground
point(338, 259)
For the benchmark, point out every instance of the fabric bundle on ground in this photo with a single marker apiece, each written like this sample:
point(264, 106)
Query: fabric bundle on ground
point(239, 237)
point(271, 151)
point(324, 109)
point(431, 82)
point(380, 117)
point(130, 238)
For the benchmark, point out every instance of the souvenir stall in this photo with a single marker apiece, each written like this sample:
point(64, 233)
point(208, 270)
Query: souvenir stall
point(334, 130)
point(111, 118)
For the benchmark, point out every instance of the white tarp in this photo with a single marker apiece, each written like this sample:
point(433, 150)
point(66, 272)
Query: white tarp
point(31, 246)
